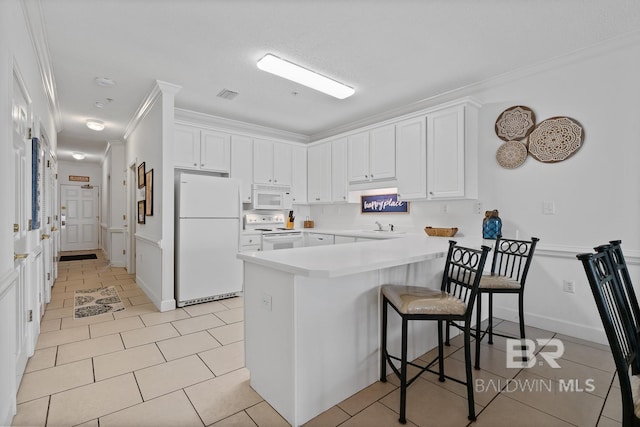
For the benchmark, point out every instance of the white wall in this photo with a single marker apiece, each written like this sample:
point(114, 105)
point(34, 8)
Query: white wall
point(595, 191)
point(16, 53)
point(151, 141)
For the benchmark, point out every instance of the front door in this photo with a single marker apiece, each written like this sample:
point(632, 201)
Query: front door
point(79, 215)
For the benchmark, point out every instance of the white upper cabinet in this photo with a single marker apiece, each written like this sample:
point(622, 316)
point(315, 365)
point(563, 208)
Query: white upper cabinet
point(382, 154)
point(299, 174)
point(411, 158)
point(446, 153)
point(371, 155)
point(201, 149)
point(272, 162)
point(339, 170)
point(319, 173)
point(215, 151)
point(242, 164)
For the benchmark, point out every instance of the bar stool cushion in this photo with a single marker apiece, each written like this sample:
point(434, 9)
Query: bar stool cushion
point(498, 282)
point(421, 300)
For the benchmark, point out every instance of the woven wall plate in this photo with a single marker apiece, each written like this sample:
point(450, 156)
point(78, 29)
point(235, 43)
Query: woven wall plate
point(515, 123)
point(511, 154)
point(555, 139)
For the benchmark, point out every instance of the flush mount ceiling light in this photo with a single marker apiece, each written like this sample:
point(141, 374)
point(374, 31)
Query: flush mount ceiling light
point(105, 82)
point(77, 155)
point(96, 125)
point(290, 71)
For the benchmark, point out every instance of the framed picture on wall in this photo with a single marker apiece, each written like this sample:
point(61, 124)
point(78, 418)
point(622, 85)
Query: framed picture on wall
point(141, 175)
point(148, 193)
point(141, 211)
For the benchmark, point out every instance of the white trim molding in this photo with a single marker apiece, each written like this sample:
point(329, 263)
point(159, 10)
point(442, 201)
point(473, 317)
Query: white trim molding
point(35, 24)
point(146, 104)
point(7, 281)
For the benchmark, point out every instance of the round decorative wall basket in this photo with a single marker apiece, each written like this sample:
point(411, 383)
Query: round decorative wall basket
point(515, 123)
point(511, 154)
point(555, 139)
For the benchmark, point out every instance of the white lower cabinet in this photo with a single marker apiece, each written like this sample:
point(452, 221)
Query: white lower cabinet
point(337, 240)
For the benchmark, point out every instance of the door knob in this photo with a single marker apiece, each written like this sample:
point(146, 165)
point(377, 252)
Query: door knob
point(45, 236)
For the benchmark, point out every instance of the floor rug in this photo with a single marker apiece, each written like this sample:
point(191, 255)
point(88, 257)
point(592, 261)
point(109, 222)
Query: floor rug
point(77, 257)
point(92, 302)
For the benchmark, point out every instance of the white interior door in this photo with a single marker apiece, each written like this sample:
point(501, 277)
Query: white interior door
point(20, 138)
point(79, 209)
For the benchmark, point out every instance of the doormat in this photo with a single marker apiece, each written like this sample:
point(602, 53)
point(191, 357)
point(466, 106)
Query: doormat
point(92, 302)
point(77, 257)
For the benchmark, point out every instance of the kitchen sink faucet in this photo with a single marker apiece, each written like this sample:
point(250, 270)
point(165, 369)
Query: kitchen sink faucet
point(379, 226)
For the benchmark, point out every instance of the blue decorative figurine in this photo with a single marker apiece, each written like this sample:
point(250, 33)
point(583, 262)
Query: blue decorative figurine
point(491, 225)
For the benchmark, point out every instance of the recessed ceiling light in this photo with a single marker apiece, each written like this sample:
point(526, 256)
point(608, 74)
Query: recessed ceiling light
point(95, 125)
point(99, 104)
point(77, 155)
point(290, 71)
point(105, 82)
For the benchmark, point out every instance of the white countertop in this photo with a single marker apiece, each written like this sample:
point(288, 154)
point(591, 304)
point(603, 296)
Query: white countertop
point(351, 258)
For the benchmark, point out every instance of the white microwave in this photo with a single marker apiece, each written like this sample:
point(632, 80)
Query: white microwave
point(272, 197)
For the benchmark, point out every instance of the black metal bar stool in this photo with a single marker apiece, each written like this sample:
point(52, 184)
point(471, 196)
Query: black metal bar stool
point(509, 269)
point(452, 302)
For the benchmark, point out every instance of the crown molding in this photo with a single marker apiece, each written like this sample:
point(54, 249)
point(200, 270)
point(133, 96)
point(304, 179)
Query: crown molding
point(35, 25)
point(602, 48)
point(236, 126)
point(158, 89)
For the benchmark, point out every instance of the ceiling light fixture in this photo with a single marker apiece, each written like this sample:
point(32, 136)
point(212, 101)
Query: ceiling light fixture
point(290, 71)
point(105, 82)
point(77, 155)
point(96, 125)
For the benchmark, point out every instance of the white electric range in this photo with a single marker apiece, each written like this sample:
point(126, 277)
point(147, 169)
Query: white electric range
point(273, 231)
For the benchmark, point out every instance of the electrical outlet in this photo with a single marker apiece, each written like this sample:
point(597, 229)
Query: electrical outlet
point(445, 208)
point(548, 207)
point(266, 302)
point(477, 208)
point(569, 286)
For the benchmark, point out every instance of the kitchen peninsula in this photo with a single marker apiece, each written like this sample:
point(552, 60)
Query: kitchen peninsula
point(312, 318)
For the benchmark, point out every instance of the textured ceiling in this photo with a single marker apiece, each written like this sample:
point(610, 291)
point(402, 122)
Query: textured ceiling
point(392, 52)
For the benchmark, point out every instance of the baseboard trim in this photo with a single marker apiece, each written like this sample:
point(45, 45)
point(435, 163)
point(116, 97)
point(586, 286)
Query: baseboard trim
point(553, 324)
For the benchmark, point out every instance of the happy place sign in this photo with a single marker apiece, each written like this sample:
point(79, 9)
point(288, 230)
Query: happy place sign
point(383, 203)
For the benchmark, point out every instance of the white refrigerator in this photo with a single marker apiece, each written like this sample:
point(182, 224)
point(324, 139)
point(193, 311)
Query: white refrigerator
point(207, 238)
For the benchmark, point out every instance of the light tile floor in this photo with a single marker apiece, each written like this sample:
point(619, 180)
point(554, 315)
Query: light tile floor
point(140, 367)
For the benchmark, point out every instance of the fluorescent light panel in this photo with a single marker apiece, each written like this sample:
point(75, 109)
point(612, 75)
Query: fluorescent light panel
point(77, 155)
point(96, 125)
point(290, 71)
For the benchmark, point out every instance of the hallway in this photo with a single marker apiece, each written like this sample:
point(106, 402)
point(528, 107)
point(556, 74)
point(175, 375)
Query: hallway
point(140, 367)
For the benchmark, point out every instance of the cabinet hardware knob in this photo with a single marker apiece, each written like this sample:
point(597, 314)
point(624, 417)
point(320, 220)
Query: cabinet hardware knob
point(44, 237)
point(19, 256)
point(195, 164)
point(16, 228)
point(366, 176)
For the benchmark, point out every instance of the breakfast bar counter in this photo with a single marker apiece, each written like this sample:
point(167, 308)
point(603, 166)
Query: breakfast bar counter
point(312, 317)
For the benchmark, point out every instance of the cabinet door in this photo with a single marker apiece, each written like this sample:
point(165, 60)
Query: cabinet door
point(282, 164)
point(339, 170)
point(262, 161)
point(242, 164)
point(215, 151)
point(382, 156)
point(445, 153)
point(299, 175)
point(186, 147)
point(319, 173)
point(358, 157)
point(411, 159)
